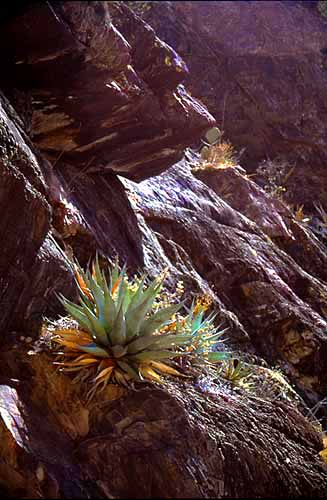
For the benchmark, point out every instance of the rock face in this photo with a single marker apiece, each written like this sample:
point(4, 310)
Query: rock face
point(195, 464)
point(96, 93)
point(272, 216)
point(73, 95)
point(273, 289)
point(180, 441)
point(262, 68)
point(97, 100)
point(32, 267)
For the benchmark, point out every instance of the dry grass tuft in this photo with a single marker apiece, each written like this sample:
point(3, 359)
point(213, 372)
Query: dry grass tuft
point(218, 156)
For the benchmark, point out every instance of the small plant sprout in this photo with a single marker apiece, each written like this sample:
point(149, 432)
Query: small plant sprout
point(300, 215)
point(235, 371)
point(275, 174)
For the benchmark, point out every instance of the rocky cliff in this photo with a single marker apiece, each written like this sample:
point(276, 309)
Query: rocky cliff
point(97, 111)
point(260, 67)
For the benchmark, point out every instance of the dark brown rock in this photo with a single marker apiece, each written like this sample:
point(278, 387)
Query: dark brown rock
point(32, 269)
point(280, 305)
point(260, 67)
point(181, 440)
point(184, 443)
point(97, 101)
point(271, 214)
point(109, 225)
point(41, 463)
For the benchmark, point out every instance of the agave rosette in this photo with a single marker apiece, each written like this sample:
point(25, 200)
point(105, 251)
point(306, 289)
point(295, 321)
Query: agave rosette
point(125, 335)
point(236, 371)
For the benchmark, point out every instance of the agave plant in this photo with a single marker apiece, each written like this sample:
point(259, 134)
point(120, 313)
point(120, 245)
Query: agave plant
point(125, 335)
point(235, 371)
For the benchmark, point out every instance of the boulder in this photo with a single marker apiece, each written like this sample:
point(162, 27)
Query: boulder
point(97, 101)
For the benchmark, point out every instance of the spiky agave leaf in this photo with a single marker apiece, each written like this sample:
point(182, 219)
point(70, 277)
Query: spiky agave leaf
point(235, 370)
point(97, 274)
point(129, 369)
point(138, 310)
point(114, 276)
point(118, 332)
point(157, 355)
point(76, 312)
point(156, 342)
point(110, 309)
point(159, 319)
point(166, 369)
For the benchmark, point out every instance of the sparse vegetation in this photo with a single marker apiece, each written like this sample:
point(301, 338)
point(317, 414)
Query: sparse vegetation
point(299, 214)
point(216, 153)
point(322, 213)
point(317, 223)
point(273, 174)
point(221, 155)
point(140, 8)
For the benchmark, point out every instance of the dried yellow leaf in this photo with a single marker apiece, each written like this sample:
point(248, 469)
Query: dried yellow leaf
point(323, 455)
point(81, 362)
point(104, 373)
point(147, 372)
point(165, 369)
point(71, 345)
